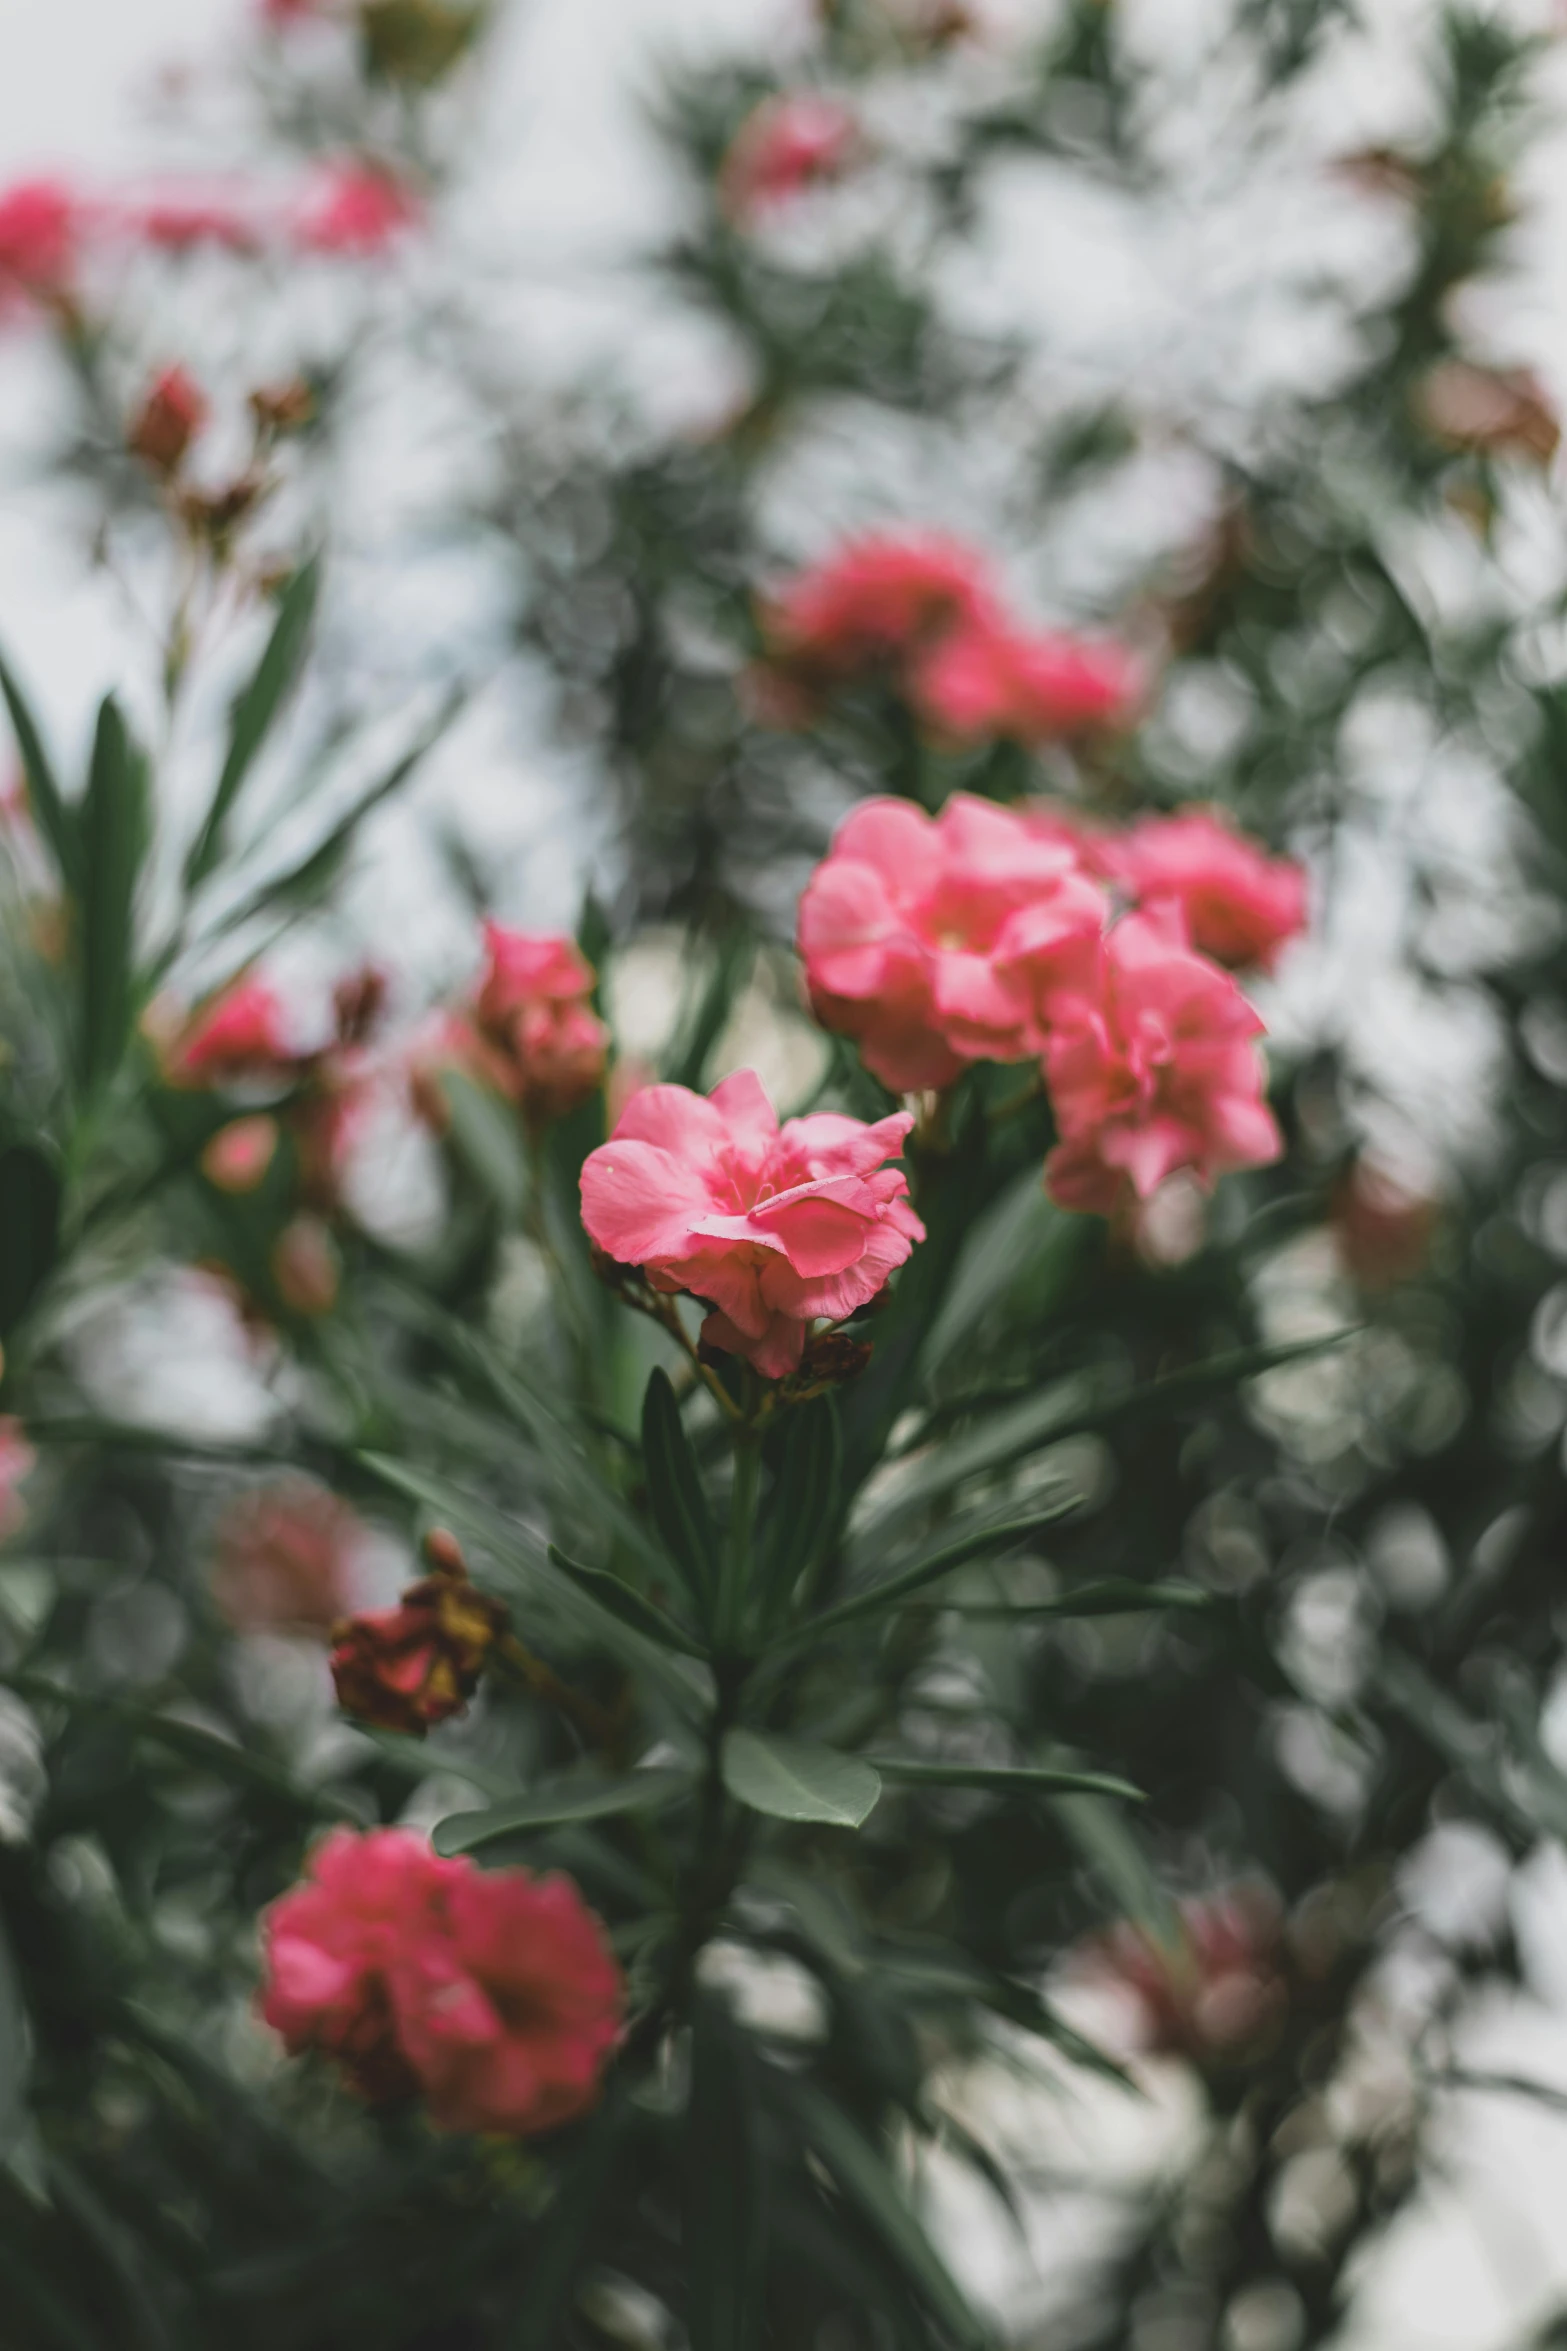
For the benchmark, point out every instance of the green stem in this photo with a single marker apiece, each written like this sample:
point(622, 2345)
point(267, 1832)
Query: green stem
point(742, 1524)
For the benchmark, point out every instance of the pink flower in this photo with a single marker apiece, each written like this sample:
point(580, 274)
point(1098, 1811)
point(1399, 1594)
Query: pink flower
point(354, 209)
point(181, 218)
point(492, 1992)
point(786, 144)
point(936, 942)
point(985, 680)
point(17, 1462)
point(288, 1559)
point(238, 1156)
point(40, 230)
point(534, 1011)
point(1220, 1990)
point(876, 601)
point(241, 1034)
point(773, 1226)
point(1239, 904)
point(1156, 1069)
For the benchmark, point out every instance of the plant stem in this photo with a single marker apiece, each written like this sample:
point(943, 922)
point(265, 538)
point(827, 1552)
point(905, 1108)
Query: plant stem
point(742, 1523)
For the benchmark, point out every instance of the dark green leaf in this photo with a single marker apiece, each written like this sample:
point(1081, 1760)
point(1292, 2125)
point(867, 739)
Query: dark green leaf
point(29, 1229)
point(870, 2187)
point(675, 1496)
point(484, 1135)
point(620, 1600)
point(803, 1503)
point(794, 1779)
point(563, 2238)
point(1111, 1596)
point(113, 839)
point(725, 2219)
point(253, 713)
point(55, 818)
point(578, 1796)
point(898, 1588)
point(732, 961)
point(1020, 1779)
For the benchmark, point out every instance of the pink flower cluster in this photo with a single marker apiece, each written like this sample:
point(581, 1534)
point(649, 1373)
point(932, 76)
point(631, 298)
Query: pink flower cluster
point(1220, 1990)
point(776, 1227)
point(529, 1031)
point(922, 614)
point(785, 145)
point(492, 1993)
point(1005, 934)
point(290, 1558)
point(350, 207)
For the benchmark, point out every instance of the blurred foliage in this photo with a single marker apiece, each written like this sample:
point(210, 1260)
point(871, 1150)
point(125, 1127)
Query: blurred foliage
point(1271, 1531)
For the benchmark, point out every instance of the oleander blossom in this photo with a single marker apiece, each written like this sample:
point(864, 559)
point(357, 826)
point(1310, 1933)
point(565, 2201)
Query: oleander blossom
point(1240, 905)
point(355, 210)
point(547, 1047)
point(17, 1462)
point(987, 680)
point(289, 1558)
point(785, 145)
point(935, 942)
point(922, 613)
point(40, 237)
point(241, 1035)
point(1155, 1068)
point(776, 1227)
point(1218, 1992)
point(493, 1994)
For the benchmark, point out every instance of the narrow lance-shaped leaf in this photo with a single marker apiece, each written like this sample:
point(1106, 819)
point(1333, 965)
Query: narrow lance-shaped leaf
point(795, 1779)
point(725, 2220)
point(114, 836)
point(55, 818)
point(871, 2189)
point(1005, 1779)
point(562, 2241)
point(29, 1229)
point(629, 1606)
point(675, 1496)
point(897, 1588)
point(573, 1796)
point(253, 714)
point(800, 1509)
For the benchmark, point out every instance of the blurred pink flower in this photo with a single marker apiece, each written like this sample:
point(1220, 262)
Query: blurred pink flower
point(786, 144)
point(40, 235)
point(879, 599)
point(1239, 904)
point(939, 941)
point(1153, 1069)
point(241, 1034)
point(238, 1156)
point(180, 217)
point(987, 680)
point(168, 420)
point(534, 1010)
point(492, 1992)
point(17, 1462)
point(1219, 1990)
point(287, 1559)
point(355, 209)
point(773, 1226)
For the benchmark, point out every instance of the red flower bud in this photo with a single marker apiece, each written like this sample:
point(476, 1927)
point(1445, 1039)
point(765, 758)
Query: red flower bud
point(405, 1668)
point(169, 419)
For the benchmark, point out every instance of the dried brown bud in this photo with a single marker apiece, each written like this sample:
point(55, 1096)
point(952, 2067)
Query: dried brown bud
point(167, 422)
point(829, 1359)
point(1494, 411)
point(408, 1667)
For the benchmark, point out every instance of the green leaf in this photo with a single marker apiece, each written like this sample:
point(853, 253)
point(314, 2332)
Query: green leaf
point(803, 1503)
point(1109, 1843)
point(484, 1136)
point(113, 838)
point(310, 876)
point(620, 1600)
point(1110, 1596)
point(14, 2054)
point(574, 1796)
point(794, 1779)
point(675, 1496)
point(870, 2187)
point(29, 1229)
point(563, 2237)
point(725, 2219)
point(1005, 1779)
point(253, 713)
point(897, 1588)
point(699, 1033)
point(55, 818)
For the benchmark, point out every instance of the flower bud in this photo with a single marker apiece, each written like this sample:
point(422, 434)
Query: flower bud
point(405, 1668)
point(169, 419)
